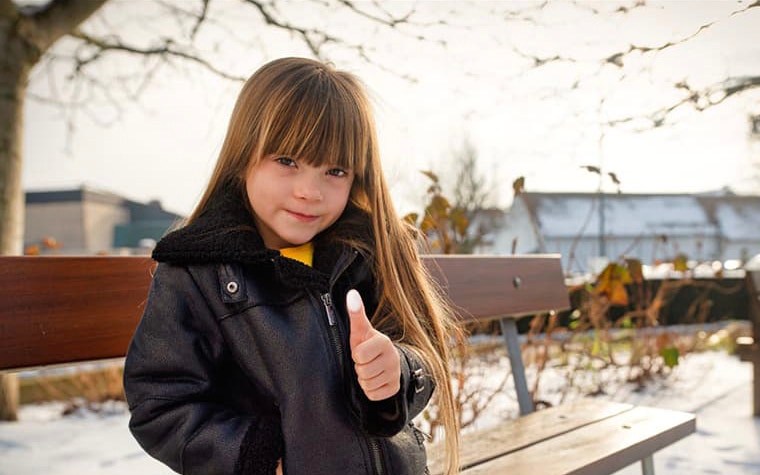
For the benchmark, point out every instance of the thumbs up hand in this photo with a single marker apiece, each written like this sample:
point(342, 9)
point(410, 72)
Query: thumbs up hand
point(376, 360)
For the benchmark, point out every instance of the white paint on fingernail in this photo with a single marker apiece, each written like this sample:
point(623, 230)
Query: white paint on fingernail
point(353, 301)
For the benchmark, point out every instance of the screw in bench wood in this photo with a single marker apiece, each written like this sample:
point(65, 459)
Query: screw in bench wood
point(516, 282)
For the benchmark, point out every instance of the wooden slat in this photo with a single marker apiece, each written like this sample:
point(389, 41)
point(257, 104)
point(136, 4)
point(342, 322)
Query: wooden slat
point(68, 309)
point(752, 282)
point(486, 444)
point(597, 449)
point(489, 287)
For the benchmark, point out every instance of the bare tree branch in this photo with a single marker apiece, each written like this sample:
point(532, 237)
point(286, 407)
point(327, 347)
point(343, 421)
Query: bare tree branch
point(308, 36)
point(699, 100)
point(394, 22)
point(388, 21)
point(617, 58)
point(168, 48)
point(199, 18)
point(539, 61)
point(315, 39)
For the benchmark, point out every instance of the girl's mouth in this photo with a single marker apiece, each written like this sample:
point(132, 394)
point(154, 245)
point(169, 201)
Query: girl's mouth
point(302, 217)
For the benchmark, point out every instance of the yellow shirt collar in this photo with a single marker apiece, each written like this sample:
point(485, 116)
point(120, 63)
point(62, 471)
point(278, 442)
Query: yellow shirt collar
point(303, 253)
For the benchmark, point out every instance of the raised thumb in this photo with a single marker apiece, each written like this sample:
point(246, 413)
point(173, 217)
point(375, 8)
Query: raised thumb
point(360, 325)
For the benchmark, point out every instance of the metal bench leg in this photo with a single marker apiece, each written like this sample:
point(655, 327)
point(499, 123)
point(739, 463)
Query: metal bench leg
point(647, 465)
point(509, 331)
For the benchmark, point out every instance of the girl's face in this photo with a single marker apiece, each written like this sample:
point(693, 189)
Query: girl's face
point(293, 201)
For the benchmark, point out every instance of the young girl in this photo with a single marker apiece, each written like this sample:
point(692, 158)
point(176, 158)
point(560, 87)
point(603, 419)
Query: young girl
point(291, 327)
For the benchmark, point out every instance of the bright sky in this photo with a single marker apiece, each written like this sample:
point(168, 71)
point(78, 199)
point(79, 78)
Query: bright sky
point(523, 121)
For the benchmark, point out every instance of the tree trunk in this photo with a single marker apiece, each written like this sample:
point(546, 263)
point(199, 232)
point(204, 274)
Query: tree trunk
point(14, 74)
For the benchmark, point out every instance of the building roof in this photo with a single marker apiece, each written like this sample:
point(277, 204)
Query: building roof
point(738, 217)
point(151, 211)
point(77, 195)
point(630, 215)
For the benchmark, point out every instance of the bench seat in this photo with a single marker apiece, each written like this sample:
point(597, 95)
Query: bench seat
point(585, 437)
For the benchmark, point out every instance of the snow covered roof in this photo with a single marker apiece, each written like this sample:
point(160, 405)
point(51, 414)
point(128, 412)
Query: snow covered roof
point(631, 215)
point(737, 216)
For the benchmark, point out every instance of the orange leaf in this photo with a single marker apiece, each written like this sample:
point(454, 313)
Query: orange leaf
point(428, 223)
point(619, 296)
point(611, 282)
point(439, 206)
point(51, 243)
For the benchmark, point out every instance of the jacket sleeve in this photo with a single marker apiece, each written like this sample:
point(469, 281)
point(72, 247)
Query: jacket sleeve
point(388, 417)
point(171, 381)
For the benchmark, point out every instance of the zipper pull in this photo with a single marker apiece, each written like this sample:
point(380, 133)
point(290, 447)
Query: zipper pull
point(329, 308)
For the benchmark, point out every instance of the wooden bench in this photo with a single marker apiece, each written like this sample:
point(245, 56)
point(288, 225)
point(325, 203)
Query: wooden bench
point(748, 348)
point(56, 310)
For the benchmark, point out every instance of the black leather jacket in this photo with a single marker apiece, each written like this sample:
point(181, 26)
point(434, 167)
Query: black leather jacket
point(242, 358)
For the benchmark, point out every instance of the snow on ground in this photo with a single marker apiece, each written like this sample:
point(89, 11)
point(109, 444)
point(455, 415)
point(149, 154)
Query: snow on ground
point(715, 385)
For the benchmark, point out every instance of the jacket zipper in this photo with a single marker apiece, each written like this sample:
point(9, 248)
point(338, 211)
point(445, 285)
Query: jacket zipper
point(376, 451)
point(329, 309)
point(332, 323)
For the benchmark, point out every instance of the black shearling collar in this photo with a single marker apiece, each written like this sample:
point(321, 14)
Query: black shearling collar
point(224, 233)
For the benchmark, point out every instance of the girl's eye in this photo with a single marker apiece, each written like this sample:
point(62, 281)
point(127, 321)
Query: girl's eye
point(287, 161)
point(339, 172)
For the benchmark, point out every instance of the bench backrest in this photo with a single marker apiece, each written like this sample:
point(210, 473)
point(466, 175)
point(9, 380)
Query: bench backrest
point(752, 281)
point(61, 309)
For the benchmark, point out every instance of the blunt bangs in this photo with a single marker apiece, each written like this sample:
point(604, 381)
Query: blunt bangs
point(323, 119)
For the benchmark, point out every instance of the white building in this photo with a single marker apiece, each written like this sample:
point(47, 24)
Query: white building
point(585, 227)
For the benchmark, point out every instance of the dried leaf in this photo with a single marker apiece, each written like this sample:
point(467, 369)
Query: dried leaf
point(439, 206)
point(680, 263)
point(411, 218)
point(51, 243)
point(611, 282)
point(432, 176)
point(428, 223)
point(635, 269)
point(619, 295)
point(518, 186)
point(592, 169)
point(459, 221)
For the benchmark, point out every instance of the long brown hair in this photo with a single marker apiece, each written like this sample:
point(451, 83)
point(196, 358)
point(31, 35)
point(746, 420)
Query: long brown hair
point(306, 109)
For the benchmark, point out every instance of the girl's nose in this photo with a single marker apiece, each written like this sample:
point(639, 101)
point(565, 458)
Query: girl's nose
point(308, 187)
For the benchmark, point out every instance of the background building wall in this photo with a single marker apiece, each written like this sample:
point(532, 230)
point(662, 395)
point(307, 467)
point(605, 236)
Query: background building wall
point(87, 221)
point(62, 221)
point(99, 220)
